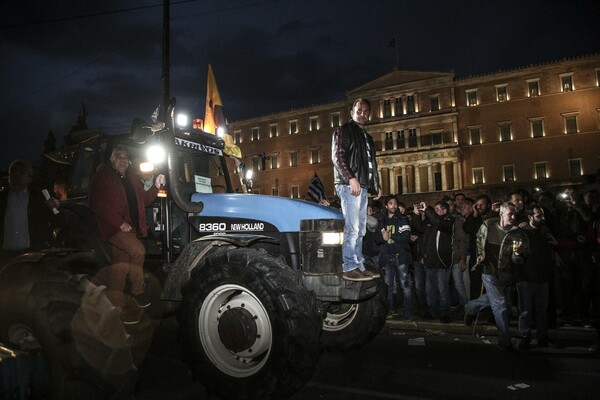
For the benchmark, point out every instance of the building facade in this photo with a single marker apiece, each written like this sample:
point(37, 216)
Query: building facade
point(531, 127)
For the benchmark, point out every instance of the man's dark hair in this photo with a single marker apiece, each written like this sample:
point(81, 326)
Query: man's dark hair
point(459, 194)
point(469, 200)
point(530, 209)
point(520, 193)
point(485, 197)
point(442, 204)
point(391, 197)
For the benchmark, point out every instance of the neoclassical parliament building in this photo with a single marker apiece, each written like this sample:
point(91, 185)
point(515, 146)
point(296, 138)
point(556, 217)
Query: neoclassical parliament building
point(532, 127)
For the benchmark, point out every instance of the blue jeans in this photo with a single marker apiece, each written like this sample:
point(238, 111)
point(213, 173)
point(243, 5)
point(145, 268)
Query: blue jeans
point(419, 277)
point(533, 298)
point(354, 209)
point(459, 285)
point(476, 305)
point(437, 288)
point(498, 302)
point(391, 269)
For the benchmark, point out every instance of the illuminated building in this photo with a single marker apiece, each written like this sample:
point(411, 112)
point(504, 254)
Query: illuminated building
point(436, 134)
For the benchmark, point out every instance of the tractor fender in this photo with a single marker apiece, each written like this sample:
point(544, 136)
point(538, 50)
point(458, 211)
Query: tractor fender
point(179, 272)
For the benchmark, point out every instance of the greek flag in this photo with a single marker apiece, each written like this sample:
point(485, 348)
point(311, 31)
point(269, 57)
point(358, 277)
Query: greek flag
point(316, 190)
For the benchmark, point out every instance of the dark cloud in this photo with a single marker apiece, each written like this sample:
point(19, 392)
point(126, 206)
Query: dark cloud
point(268, 56)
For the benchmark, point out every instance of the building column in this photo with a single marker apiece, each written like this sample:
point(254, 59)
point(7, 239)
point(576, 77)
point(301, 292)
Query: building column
point(455, 173)
point(417, 179)
point(456, 169)
point(392, 179)
point(404, 180)
point(410, 179)
point(430, 177)
point(444, 178)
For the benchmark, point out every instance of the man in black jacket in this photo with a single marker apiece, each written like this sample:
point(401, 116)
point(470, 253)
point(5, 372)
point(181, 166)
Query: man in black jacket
point(395, 255)
point(355, 175)
point(533, 280)
point(437, 256)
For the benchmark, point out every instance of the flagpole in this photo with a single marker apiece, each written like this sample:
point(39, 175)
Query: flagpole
point(394, 44)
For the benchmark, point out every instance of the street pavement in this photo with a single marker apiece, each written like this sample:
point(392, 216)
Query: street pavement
point(416, 360)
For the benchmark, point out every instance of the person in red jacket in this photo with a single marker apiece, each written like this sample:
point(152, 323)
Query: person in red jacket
point(118, 200)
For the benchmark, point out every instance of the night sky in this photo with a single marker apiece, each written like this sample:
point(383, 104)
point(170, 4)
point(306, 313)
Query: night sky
point(267, 55)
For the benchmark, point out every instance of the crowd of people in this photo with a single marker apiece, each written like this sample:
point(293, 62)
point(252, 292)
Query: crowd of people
point(467, 254)
point(537, 257)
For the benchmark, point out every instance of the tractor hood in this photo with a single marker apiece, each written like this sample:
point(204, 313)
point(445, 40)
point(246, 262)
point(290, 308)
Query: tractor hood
point(283, 213)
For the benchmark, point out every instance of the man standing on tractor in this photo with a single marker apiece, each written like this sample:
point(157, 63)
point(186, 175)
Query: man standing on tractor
point(118, 200)
point(355, 174)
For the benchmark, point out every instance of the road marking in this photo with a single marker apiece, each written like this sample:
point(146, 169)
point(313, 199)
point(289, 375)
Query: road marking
point(370, 393)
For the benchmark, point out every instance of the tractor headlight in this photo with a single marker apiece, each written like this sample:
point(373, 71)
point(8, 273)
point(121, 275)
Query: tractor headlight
point(156, 154)
point(146, 167)
point(182, 120)
point(332, 238)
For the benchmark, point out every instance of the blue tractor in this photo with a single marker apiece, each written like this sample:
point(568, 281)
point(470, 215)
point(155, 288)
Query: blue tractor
point(252, 282)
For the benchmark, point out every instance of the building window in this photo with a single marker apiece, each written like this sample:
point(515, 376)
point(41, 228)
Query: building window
point(314, 124)
point(475, 135)
point(274, 161)
point(315, 156)
point(437, 181)
point(434, 102)
point(501, 93)
point(508, 172)
point(237, 137)
point(293, 158)
point(293, 127)
point(575, 169)
point(387, 108)
point(566, 83)
point(255, 133)
point(541, 170)
point(570, 123)
point(478, 178)
point(398, 107)
point(274, 191)
point(436, 137)
point(256, 164)
point(389, 141)
point(533, 87)
point(295, 192)
point(273, 131)
point(400, 140)
point(537, 128)
point(505, 131)
point(335, 119)
point(410, 104)
point(471, 97)
point(412, 137)
point(255, 191)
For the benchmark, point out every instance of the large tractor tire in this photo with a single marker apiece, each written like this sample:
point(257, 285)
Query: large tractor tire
point(250, 328)
point(69, 322)
point(350, 325)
